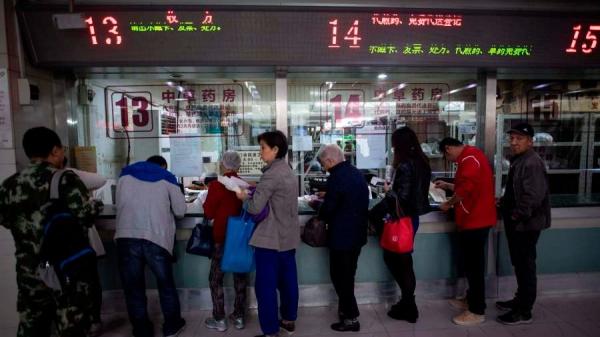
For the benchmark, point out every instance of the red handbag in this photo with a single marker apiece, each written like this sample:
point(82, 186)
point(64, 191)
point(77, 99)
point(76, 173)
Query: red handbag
point(398, 234)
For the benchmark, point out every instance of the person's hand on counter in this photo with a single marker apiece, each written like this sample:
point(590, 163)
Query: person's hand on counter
point(321, 195)
point(197, 187)
point(445, 206)
point(386, 187)
point(444, 185)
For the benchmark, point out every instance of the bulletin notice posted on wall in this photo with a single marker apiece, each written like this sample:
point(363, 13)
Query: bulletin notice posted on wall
point(85, 158)
point(370, 147)
point(186, 157)
point(6, 134)
point(251, 163)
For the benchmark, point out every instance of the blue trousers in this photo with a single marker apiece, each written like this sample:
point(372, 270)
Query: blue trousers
point(275, 271)
point(133, 256)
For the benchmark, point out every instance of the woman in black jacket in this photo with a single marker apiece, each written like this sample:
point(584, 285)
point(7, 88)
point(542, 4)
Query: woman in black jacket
point(411, 188)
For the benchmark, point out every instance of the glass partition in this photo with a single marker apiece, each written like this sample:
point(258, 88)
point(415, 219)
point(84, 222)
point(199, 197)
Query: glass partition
point(190, 123)
point(565, 117)
point(359, 115)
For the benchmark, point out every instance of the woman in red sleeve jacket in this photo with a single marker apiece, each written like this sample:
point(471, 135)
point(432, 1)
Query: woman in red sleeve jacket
point(220, 204)
point(475, 212)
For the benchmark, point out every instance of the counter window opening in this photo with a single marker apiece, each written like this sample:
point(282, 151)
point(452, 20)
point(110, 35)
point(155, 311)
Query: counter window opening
point(565, 115)
point(360, 116)
point(357, 113)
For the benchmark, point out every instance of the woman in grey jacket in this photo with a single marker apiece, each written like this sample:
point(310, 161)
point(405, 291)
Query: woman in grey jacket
point(275, 238)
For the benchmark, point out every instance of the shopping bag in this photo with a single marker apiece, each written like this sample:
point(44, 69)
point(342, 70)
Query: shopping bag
point(398, 234)
point(238, 255)
point(48, 275)
point(315, 233)
point(201, 241)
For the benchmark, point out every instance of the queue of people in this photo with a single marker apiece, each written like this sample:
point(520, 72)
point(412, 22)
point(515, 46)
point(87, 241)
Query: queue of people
point(148, 201)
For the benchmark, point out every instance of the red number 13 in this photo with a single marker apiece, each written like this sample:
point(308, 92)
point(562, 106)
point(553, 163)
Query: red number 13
point(113, 31)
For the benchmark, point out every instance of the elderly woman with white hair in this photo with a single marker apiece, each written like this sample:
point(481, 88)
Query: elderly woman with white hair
point(345, 210)
point(220, 204)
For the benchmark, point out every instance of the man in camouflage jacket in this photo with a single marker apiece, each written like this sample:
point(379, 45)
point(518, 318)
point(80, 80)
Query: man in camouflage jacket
point(24, 199)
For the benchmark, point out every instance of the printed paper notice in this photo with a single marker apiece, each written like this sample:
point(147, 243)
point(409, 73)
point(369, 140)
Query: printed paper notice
point(186, 157)
point(85, 158)
point(302, 143)
point(370, 148)
point(6, 134)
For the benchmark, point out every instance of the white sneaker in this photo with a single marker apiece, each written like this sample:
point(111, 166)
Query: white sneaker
point(239, 323)
point(468, 318)
point(459, 303)
point(219, 325)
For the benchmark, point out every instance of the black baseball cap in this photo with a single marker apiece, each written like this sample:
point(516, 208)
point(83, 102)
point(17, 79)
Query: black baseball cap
point(523, 129)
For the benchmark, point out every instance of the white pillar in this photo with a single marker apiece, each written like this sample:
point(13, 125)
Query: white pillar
point(281, 94)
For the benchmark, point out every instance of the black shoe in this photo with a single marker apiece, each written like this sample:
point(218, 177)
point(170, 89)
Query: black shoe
point(506, 305)
point(405, 310)
point(177, 330)
point(346, 325)
point(288, 326)
point(515, 317)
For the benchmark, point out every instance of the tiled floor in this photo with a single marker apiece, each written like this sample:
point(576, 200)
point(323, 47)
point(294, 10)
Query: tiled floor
point(576, 315)
point(569, 316)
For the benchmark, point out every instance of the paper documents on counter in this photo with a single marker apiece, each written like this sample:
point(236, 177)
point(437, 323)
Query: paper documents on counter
point(437, 194)
point(233, 184)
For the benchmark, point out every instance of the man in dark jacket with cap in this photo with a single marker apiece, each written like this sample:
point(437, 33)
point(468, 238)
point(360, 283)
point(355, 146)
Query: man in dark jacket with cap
point(526, 212)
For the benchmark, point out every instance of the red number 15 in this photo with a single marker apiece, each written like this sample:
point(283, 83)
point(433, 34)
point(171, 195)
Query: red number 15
point(591, 39)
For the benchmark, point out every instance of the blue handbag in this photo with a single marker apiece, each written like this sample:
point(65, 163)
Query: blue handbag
point(238, 256)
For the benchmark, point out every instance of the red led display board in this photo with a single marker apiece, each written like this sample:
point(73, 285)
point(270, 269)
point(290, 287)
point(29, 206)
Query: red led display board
point(198, 36)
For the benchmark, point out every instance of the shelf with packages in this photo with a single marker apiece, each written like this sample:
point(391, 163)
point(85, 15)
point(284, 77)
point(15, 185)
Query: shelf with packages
point(556, 171)
point(594, 158)
point(542, 144)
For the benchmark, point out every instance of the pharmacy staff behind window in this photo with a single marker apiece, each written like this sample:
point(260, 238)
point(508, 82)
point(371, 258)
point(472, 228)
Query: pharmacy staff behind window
point(526, 212)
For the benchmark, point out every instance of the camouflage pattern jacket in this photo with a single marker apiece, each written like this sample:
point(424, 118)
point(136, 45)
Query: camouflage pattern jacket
point(24, 199)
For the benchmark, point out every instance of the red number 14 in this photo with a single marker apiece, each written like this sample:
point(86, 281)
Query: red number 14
point(352, 35)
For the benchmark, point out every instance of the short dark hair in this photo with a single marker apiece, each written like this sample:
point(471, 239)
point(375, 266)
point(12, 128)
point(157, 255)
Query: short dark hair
point(449, 141)
point(275, 138)
point(38, 142)
point(158, 160)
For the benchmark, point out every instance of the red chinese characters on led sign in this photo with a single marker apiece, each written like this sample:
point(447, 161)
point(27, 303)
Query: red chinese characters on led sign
point(352, 35)
point(439, 20)
point(171, 17)
point(111, 31)
point(386, 19)
point(590, 40)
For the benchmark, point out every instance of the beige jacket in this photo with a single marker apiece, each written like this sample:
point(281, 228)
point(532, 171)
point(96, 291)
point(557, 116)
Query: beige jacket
point(278, 187)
